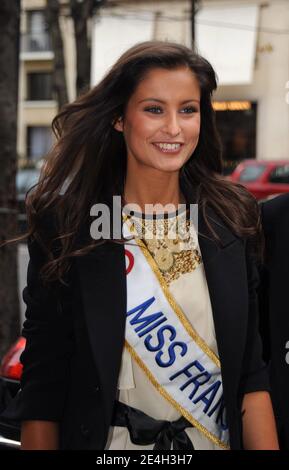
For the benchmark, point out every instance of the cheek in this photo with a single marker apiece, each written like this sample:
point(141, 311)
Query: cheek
point(147, 127)
point(139, 128)
point(193, 130)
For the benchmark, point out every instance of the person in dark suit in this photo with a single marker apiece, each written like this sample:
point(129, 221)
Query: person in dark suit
point(274, 307)
point(133, 344)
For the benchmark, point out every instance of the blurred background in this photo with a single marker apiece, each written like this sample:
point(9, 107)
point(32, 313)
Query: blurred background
point(53, 50)
point(246, 42)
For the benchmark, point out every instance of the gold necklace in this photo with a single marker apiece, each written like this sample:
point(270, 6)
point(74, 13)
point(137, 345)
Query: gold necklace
point(165, 240)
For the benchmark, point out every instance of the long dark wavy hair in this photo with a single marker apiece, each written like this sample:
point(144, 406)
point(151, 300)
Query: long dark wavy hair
point(89, 157)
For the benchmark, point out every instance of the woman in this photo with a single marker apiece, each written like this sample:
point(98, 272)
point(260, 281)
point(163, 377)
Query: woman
point(141, 344)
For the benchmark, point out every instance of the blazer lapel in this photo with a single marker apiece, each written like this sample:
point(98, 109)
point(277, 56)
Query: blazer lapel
point(225, 269)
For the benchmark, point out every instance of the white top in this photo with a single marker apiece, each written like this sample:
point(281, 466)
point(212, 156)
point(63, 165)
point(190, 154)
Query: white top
point(187, 283)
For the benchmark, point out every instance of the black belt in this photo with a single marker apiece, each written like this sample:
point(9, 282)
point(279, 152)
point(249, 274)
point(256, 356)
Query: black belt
point(145, 430)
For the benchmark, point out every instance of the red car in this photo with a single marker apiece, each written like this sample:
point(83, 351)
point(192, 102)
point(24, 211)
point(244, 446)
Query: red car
point(263, 178)
point(10, 374)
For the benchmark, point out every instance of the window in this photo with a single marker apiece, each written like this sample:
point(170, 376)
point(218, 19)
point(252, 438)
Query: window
point(36, 21)
point(280, 175)
point(238, 130)
point(39, 141)
point(251, 173)
point(38, 38)
point(39, 86)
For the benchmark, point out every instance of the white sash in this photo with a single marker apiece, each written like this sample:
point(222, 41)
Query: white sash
point(163, 342)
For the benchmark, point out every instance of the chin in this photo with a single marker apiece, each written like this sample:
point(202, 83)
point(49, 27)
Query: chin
point(172, 167)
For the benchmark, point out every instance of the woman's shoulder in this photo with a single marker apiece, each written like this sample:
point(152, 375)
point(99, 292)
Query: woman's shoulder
point(47, 219)
point(45, 230)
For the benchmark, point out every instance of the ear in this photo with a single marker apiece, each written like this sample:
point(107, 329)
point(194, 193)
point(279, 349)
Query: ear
point(118, 124)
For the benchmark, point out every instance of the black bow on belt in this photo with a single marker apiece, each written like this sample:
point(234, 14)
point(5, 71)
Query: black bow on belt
point(145, 430)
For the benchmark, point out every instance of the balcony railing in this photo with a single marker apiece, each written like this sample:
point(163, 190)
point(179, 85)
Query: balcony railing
point(36, 42)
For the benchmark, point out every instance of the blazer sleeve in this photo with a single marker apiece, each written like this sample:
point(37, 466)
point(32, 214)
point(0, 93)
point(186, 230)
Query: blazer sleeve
point(254, 372)
point(49, 345)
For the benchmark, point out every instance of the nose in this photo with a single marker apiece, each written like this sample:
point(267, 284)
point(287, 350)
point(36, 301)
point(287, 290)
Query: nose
point(172, 125)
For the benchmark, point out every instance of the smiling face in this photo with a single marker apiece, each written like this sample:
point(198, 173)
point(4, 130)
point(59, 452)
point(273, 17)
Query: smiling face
point(161, 124)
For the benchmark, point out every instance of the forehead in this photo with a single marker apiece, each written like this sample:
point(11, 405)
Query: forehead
point(176, 84)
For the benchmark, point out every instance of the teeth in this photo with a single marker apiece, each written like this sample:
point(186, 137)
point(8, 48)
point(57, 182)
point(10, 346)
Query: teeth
point(168, 146)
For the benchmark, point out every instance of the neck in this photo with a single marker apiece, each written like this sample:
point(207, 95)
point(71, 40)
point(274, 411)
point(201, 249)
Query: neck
point(153, 187)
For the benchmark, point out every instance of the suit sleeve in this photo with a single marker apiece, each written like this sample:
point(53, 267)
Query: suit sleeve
point(254, 373)
point(49, 346)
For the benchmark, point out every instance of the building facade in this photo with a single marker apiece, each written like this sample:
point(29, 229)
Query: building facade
point(37, 106)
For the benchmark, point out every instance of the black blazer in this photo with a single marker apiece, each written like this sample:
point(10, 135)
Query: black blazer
point(275, 307)
point(75, 337)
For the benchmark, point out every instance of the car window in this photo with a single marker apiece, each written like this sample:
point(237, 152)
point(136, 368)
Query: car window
point(251, 173)
point(280, 175)
point(25, 179)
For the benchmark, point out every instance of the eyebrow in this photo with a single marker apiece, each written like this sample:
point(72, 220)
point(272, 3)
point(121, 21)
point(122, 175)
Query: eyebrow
point(163, 102)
